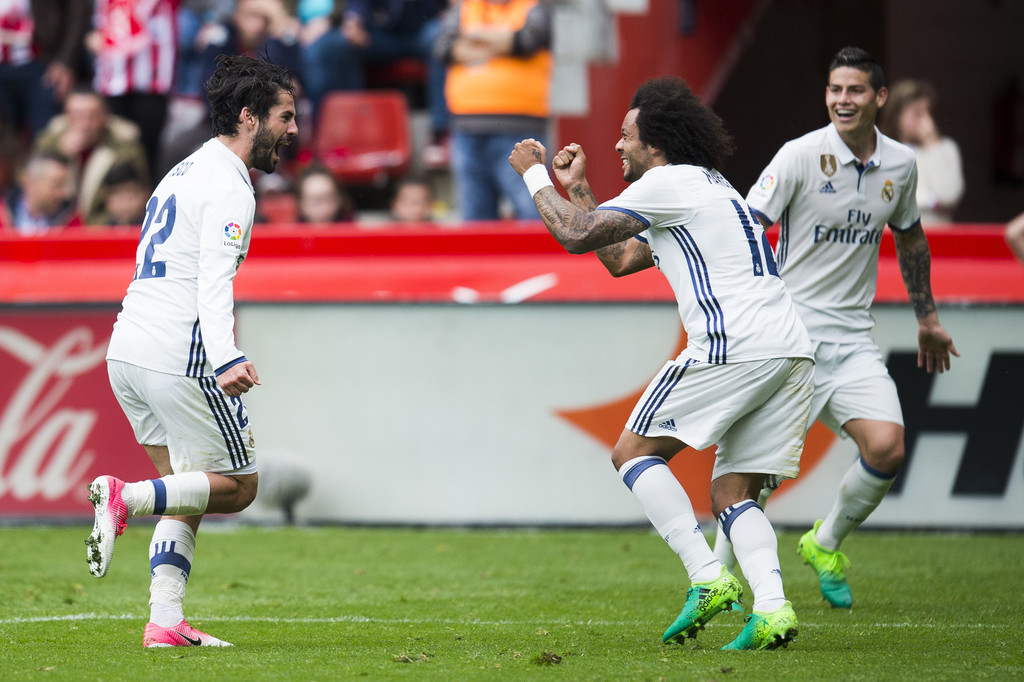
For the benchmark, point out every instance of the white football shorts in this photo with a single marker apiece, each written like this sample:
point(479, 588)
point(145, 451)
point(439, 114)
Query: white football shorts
point(203, 428)
point(851, 381)
point(756, 412)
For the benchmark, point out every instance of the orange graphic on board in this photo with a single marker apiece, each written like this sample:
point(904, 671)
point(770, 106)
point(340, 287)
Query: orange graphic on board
point(692, 467)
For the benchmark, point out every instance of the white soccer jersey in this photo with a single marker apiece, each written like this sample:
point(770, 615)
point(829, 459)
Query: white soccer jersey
point(832, 211)
point(715, 255)
point(178, 314)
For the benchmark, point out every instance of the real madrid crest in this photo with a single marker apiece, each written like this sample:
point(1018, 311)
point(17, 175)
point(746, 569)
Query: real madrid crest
point(828, 164)
point(888, 191)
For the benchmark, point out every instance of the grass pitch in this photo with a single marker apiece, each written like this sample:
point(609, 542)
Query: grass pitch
point(336, 603)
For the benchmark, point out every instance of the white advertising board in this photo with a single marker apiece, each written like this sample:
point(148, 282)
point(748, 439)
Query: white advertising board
point(447, 414)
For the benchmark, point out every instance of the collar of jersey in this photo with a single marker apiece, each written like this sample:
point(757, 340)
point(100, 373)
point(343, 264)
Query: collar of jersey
point(239, 165)
point(843, 153)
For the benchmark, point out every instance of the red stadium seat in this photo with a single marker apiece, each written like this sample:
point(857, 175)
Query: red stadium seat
point(362, 137)
point(278, 208)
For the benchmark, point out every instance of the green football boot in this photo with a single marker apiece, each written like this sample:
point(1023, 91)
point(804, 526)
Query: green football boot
point(829, 567)
point(766, 630)
point(703, 602)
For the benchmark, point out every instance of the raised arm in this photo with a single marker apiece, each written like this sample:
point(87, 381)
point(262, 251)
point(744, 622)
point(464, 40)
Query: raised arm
point(934, 343)
point(576, 225)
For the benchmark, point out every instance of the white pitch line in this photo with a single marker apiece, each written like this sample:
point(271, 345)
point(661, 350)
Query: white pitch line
point(451, 621)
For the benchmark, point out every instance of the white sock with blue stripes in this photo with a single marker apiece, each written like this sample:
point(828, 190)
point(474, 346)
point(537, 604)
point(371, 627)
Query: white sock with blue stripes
point(185, 494)
point(860, 492)
point(723, 548)
point(170, 562)
point(757, 551)
point(668, 507)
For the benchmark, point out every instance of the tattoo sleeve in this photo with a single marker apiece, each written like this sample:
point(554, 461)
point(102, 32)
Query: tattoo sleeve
point(582, 231)
point(915, 266)
point(582, 196)
point(626, 257)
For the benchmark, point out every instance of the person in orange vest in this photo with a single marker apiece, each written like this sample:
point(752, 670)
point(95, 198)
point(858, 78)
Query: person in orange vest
point(499, 75)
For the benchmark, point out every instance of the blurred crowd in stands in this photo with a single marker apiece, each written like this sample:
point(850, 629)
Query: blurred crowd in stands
point(100, 98)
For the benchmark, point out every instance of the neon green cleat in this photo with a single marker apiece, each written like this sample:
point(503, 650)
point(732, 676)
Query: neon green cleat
point(829, 567)
point(766, 630)
point(703, 602)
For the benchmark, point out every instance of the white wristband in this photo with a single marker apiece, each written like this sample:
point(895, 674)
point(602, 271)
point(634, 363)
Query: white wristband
point(537, 178)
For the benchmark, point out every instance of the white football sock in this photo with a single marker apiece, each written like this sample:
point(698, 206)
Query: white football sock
point(668, 507)
point(860, 492)
point(723, 548)
point(757, 550)
point(170, 561)
point(185, 494)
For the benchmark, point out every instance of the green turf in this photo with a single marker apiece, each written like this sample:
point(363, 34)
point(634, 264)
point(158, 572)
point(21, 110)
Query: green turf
point(378, 604)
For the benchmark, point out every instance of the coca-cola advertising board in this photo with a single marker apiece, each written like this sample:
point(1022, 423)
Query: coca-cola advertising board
point(60, 425)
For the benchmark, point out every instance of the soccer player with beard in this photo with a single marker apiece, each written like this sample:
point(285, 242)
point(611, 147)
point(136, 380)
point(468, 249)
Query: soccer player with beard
point(744, 380)
point(833, 191)
point(172, 360)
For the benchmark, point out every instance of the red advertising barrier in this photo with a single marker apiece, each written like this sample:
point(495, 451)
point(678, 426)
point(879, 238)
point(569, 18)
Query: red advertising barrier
point(58, 418)
point(483, 262)
point(60, 425)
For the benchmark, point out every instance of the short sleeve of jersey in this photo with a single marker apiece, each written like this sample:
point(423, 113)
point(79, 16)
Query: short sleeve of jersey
point(777, 185)
point(907, 213)
point(224, 239)
point(644, 199)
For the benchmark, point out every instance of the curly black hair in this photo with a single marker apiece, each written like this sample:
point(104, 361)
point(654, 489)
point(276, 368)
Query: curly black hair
point(240, 82)
point(672, 119)
point(859, 59)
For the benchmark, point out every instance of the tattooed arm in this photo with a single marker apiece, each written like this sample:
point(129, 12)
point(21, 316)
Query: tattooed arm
point(626, 257)
point(934, 343)
point(577, 225)
point(581, 231)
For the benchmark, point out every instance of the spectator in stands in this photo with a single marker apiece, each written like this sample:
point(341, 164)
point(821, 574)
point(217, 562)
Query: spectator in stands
point(40, 48)
point(1015, 237)
point(499, 75)
point(413, 200)
point(94, 141)
point(322, 199)
point(373, 32)
point(276, 202)
point(134, 48)
point(200, 22)
point(125, 195)
point(44, 201)
point(253, 27)
point(907, 117)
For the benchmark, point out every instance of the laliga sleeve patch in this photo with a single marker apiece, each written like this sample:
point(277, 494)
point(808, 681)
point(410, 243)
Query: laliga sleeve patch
point(233, 236)
point(765, 186)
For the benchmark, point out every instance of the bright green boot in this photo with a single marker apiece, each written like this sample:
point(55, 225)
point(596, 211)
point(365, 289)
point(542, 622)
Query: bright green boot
point(766, 630)
point(703, 602)
point(829, 567)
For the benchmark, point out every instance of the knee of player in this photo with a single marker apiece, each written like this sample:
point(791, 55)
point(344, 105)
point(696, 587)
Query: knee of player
point(885, 455)
point(246, 492)
point(620, 457)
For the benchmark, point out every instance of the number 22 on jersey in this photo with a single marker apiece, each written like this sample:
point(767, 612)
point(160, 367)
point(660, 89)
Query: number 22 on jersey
point(155, 231)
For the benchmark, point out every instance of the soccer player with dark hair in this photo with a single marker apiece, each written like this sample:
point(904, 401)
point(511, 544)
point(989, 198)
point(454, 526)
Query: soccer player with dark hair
point(833, 191)
point(744, 380)
point(172, 360)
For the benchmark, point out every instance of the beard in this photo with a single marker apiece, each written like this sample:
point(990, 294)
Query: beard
point(263, 145)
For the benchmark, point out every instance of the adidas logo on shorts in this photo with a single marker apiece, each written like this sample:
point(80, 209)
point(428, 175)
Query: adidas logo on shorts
point(669, 425)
